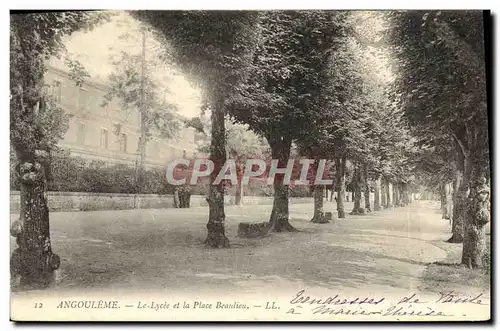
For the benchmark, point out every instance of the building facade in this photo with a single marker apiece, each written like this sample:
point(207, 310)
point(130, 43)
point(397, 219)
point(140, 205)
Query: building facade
point(93, 129)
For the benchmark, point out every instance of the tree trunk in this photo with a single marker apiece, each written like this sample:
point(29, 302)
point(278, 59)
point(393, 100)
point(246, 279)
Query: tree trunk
point(444, 201)
point(177, 203)
point(143, 118)
point(376, 195)
point(395, 195)
point(357, 210)
point(340, 185)
point(449, 200)
point(139, 162)
point(238, 197)
point(216, 237)
point(280, 149)
point(406, 194)
point(478, 215)
point(188, 198)
point(239, 193)
point(402, 195)
point(460, 202)
point(478, 210)
point(33, 259)
point(358, 180)
point(367, 199)
point(182, 197)
point(383, 195)
point(388, 194)
point(280, 213)
point(319, 215)
point(366, 189)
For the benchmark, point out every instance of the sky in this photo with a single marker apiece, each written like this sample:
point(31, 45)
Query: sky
point(93, 49)
point(370, 26)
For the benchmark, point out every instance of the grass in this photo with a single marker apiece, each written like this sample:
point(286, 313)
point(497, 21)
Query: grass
point(449, 273)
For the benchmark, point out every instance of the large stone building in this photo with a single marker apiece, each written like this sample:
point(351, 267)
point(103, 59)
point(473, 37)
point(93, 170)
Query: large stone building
point(92, 132)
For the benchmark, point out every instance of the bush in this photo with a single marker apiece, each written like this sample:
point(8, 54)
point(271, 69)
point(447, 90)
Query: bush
point(301, 191)
point(64, 173)
point(487, 256)
point(74, 174)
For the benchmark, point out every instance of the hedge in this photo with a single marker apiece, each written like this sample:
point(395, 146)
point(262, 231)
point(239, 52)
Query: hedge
point(75, 174)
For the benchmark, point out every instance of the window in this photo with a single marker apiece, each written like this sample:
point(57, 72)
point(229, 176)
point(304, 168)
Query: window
point(80, 133)
point(123, 143)
point(57, 90)
point(83, 99)
point(104, 138)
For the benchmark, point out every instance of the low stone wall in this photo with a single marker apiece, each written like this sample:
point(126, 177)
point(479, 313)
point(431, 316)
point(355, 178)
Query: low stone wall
point(82, 201)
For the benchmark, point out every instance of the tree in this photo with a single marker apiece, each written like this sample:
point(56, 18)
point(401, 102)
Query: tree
point(241, 145)
point(282, 98)
point(396, 151)
point(437, 169)
point(324, 139)
point(134, 83)
point(358, 106)
point(36, 125)
point(215, 49)
point(443, 83)
point(350, 127)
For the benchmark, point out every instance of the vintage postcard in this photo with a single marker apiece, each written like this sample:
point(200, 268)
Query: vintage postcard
point(307, 165)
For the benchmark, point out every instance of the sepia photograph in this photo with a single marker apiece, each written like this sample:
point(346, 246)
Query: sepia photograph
point(250, 165)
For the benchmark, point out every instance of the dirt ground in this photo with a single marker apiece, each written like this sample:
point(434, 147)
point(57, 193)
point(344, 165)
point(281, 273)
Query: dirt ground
point(163, 249)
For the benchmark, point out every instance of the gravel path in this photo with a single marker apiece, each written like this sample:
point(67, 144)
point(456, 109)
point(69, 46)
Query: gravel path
point(151, 249)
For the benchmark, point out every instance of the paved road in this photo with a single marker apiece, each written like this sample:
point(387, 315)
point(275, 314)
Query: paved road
point(152, 249)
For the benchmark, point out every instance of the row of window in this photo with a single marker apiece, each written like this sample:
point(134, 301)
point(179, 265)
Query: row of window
point(80, 138)
point(104, 142)
point(83, 104)
point(83, 95)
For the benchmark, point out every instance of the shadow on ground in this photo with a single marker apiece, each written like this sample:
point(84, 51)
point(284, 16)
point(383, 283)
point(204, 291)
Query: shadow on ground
point(163, 249)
